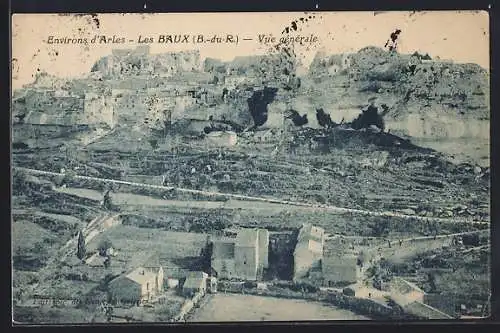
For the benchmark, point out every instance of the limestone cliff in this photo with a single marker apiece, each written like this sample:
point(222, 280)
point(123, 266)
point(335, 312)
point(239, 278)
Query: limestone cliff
point(427, 98)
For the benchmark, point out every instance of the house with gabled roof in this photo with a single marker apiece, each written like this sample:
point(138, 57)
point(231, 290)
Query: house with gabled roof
point(140, 284)
point(308, 251)
point(244, 257)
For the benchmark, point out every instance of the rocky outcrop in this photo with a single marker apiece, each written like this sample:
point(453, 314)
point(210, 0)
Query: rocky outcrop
point(426, 98)
point(139, 62)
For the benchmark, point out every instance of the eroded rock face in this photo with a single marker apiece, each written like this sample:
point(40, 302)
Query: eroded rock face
point(258, 102)
point(427, 98)
point(139, 61)
point(436, 125)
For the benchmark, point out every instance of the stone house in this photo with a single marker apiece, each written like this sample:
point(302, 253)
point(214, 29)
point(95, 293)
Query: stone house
point(244, 257)
point(141, 284)
point(308, 251)
point(246, 254)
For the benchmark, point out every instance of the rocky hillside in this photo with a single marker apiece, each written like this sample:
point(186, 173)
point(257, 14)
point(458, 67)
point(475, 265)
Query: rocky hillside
point(427, 98)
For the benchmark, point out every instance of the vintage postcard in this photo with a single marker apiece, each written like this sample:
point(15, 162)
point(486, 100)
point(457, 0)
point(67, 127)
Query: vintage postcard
point(231, 167)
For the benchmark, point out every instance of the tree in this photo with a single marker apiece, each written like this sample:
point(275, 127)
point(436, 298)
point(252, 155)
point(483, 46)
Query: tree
point(19, 183)
point(426, 57)
point(380, 227)
point(422, 56)
point(361, 260)
point(106, 202)
point(471, 239)
point(153, 143)
point(107, 262)
point(104, 244)
point(206, 257)
point(81, 250)
point(432, 281)
point(108, 311)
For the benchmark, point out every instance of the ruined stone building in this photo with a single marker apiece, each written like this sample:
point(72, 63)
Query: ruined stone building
point(415, 301)
point(99, 109)
point(49, 106)
point(44, 80)
point(244, 257)
point(63, 108)
point(404, 292)
point(330, 64)
point(139, 61)
point(125, 106)
point(346, 61)
point(234, 82)
point(129, 106)
point(308, 251)
point(251, 253)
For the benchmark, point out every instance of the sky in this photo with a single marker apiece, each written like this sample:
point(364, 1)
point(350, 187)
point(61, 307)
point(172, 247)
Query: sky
point(461, 36)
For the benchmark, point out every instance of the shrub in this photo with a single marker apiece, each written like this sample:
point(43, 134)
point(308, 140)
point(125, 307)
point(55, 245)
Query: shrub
point(107, 262)
point(19, 145)
point(74, 276)
point(380, 227)
point(302, 286)
point(166, 311)
point(348, 291)
point(250, 284)
point(471, 239)
point(371, 86)
point(153, 143)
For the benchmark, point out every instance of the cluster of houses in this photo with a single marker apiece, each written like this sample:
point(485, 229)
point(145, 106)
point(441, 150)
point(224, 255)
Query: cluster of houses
point(145, 283)
point(244, 257)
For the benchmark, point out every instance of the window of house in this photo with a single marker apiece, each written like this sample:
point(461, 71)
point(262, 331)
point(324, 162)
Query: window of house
point(147, 286)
